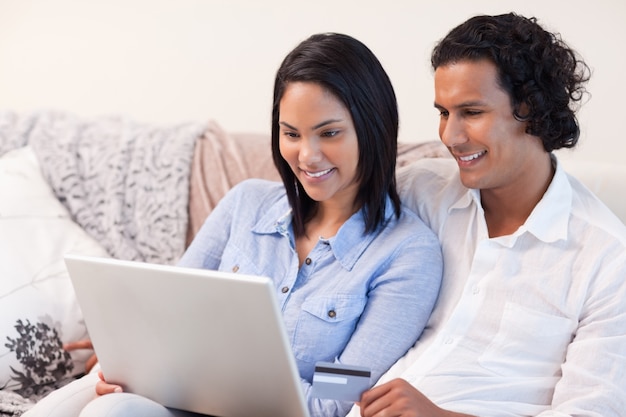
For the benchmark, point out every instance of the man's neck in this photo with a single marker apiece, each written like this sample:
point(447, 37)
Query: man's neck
point(506, 209)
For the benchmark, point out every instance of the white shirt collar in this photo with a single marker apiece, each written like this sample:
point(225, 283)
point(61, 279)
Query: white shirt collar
point(549, 219)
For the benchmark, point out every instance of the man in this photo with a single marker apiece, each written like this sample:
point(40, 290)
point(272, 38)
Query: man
point(531, 320)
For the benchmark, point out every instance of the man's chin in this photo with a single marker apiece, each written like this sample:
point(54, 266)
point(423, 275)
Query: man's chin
point(470, 181)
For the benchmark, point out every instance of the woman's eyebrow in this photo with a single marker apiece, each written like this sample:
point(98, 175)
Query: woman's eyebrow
point(326, 122)
point(287, 125)
point(317, 126)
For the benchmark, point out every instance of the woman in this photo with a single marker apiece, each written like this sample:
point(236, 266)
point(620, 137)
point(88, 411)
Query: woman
point(350, 265)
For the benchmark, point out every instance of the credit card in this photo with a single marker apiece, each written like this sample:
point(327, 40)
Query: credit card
point(340, 382)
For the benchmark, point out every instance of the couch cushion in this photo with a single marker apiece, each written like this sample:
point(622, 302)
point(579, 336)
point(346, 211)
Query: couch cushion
point(38, 311)
point(220, 161)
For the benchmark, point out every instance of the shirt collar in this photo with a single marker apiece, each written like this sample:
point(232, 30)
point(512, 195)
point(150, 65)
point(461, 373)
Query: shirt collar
point(351, 240)
point(549, 219)
point(347, 245)
point(276, 219)
point(470, 196)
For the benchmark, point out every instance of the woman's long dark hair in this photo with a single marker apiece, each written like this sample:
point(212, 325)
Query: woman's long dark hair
point(352, 73)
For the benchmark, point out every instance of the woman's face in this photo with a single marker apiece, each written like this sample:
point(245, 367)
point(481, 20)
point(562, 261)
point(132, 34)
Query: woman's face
point(318, 140)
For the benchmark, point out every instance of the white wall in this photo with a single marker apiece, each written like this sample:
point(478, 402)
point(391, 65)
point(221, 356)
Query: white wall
point(171, 61)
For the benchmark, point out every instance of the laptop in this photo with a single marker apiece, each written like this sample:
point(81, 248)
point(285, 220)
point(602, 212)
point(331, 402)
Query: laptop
point(192, 339)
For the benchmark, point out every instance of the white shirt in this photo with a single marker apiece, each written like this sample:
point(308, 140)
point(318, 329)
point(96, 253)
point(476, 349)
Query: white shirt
point(530, 324)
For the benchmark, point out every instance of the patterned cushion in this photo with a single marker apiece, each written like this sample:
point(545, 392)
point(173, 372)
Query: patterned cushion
point(38, 311)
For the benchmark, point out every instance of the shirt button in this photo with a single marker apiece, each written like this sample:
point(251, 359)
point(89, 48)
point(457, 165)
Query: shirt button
point(307, 261)
point(448, 341)
point(235, 268)
point(476, 290)
point(332, 314)
point(284, 290)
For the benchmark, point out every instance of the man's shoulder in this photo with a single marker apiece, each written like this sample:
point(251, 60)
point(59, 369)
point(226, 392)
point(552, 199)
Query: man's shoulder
point(588, 210)
point(430, 182)
point(428, 173)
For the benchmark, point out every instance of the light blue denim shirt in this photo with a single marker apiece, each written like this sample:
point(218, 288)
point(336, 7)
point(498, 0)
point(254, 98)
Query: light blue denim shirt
point(359, 299)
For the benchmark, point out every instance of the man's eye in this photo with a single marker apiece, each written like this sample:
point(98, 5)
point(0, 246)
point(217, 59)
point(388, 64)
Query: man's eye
point(443, 113)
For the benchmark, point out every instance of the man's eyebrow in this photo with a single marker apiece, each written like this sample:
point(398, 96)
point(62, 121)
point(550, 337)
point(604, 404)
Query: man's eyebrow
point(471, 103)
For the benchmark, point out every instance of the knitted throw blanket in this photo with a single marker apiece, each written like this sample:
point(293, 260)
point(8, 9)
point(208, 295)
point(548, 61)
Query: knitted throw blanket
point(125, 183)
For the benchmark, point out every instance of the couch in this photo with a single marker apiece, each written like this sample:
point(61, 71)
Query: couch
point(109, 186)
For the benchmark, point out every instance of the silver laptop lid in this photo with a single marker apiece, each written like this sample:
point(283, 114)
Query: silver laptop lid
point(198, 340)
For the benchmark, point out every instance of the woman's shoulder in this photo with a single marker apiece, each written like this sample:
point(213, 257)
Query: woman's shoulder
point(260, 192)
point(258, 187)
point(405, 230)
point(411, 224)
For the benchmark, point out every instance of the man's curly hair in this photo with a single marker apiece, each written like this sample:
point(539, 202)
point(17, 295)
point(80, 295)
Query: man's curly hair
point(542, 75)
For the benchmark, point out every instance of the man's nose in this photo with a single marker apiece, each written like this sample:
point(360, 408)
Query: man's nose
point(452, 131)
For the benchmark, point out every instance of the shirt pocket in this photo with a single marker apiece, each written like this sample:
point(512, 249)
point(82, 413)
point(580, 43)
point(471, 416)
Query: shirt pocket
point(528, 343)
point(237, 260)
point(325, 325)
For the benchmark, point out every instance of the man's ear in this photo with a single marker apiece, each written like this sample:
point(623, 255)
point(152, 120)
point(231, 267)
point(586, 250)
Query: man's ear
point(521, 111)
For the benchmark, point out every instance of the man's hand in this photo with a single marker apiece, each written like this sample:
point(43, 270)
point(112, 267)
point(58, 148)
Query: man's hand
point(83, 344)
point(398, 398)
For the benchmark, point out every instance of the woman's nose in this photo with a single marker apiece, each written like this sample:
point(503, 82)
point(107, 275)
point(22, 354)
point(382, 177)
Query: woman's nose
point(310, 151)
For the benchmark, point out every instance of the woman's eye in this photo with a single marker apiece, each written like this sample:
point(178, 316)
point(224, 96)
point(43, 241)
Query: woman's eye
point(330, 133)
point(290, 134)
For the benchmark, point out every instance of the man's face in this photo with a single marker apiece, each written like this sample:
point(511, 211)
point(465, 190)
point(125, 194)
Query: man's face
point(477, 125)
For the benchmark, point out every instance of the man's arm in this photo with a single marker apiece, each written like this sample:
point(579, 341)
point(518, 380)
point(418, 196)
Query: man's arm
point(593, 380)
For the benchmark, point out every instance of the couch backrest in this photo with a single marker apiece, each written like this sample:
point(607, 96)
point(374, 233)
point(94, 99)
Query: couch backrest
point(606, 180)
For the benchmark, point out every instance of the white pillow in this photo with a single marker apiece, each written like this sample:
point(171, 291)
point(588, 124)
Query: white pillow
point(38, 309)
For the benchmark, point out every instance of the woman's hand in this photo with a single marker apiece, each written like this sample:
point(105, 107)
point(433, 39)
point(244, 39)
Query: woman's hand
point(83, 344)
point(103, 387)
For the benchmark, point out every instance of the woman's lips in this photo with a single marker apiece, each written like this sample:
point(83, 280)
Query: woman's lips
point(317, 174)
